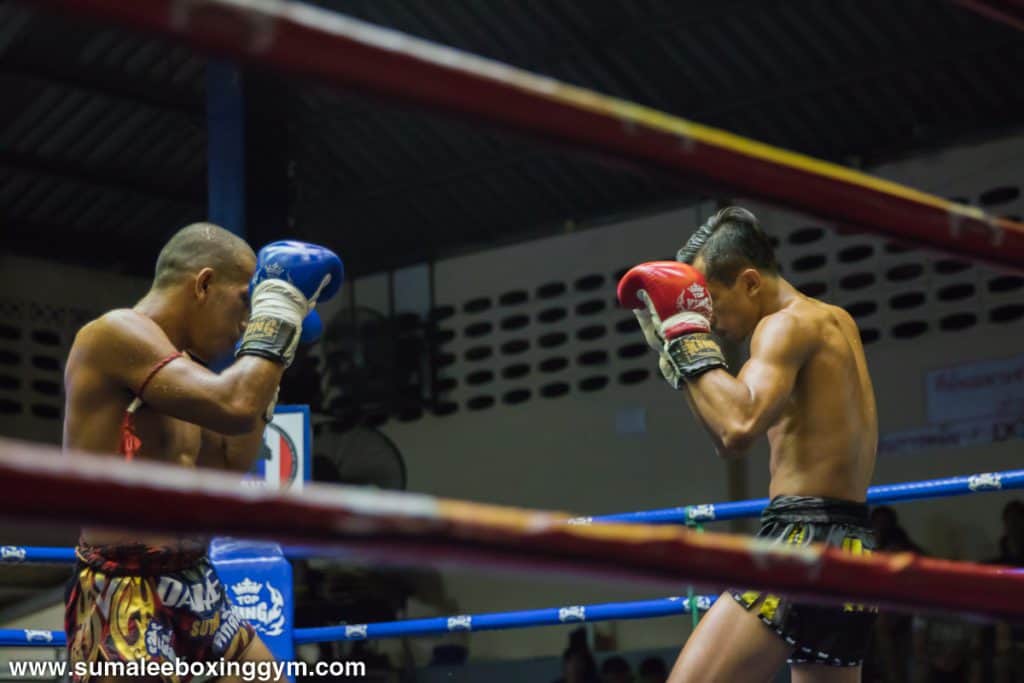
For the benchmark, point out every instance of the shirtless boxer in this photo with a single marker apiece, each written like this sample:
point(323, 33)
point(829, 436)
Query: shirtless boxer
point(806, 386)
point(137, 388)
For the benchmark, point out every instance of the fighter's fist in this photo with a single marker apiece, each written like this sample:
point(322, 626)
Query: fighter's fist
point(290, 278)
point(315, 271)
point(672, 305)
point(673, 294)
point(312, 328)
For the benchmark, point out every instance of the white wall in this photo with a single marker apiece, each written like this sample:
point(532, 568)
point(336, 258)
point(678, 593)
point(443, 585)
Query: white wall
point(40, 297)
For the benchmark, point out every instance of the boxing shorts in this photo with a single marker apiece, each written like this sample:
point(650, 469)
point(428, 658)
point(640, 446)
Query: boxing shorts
point(834, 636)
point(134, 602)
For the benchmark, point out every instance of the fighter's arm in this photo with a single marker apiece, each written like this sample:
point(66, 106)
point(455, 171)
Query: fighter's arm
point(124, 347)
point(235, 453)
point(738, 410)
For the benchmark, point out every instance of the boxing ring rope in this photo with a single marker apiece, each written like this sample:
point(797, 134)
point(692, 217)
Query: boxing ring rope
point(1009, 13)
point(27, 554)
point(417, 529)
point(889, 493)
point(876, 495)
point(359, 56)
point(32, 637)
point(495, 621)
point(687, 514)
point(552, 616)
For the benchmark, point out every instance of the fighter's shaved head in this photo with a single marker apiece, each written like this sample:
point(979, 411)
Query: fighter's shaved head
point(202, 245)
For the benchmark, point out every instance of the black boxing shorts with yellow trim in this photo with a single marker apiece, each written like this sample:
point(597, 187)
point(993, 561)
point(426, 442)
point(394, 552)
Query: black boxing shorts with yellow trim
point(833, 636)
point(130, 603)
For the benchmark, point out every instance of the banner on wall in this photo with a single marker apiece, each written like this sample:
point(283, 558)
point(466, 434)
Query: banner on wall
point(990, 389)
point(952, 435)
point(285, 457)
point(968, 405)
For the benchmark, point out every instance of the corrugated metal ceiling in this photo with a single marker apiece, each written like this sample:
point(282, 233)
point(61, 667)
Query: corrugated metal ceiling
point(102, 136)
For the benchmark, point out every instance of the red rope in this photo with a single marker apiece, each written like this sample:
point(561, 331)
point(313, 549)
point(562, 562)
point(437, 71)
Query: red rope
point(1009, 12)
point(40, 484)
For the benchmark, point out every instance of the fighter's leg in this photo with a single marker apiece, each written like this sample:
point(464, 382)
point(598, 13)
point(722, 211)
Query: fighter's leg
point(91, 629)
point(730, 645)
point(816, 673)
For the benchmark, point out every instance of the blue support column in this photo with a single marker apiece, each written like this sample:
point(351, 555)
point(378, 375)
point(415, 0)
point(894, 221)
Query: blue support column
point(225, 158)
point(248, 152)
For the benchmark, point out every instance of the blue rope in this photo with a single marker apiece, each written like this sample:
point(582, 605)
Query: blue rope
point(29, 637)
point(877, 495)
point(553, 616)
point(644, 609)
point(14, 554)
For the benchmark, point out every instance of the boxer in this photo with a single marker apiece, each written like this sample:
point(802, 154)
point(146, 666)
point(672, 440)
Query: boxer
point(137, 388)
point(806, 387)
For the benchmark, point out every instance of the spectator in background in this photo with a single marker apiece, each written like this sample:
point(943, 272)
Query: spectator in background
point(616, 670)
point(578, 667)
point(945, 651)
point(889, 654)
point(1002, 645)
point(653, 670)
point(578, 664)
point(889, 533)
point(1011, 544)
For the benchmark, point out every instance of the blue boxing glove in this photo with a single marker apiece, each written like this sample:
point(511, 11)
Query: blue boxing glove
point(315, 271)
point(312, 328)
point(290, 278)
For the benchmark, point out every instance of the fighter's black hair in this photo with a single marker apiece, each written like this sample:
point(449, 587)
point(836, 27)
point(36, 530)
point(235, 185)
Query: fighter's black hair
point(730, 241)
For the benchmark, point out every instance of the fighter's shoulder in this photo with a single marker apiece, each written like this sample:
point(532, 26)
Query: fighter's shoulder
point(843, 317)
point(824, 318)
point(121, 325)
point(826, 315)
point(791, 330)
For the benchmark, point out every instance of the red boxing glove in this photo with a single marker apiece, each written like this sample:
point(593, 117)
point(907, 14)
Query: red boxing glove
point(673, 293)
point(672, 305)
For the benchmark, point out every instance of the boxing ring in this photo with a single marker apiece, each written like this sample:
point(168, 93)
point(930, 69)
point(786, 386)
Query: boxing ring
point(652, 548)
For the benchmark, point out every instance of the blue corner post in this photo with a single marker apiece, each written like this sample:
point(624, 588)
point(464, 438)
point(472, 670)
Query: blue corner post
point(258, 580)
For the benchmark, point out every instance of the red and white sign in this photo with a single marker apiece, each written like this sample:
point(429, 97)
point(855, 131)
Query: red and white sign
point(285, 457)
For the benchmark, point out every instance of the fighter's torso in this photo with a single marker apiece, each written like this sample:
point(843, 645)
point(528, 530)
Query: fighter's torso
point(824, 442)
point(93, 413)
